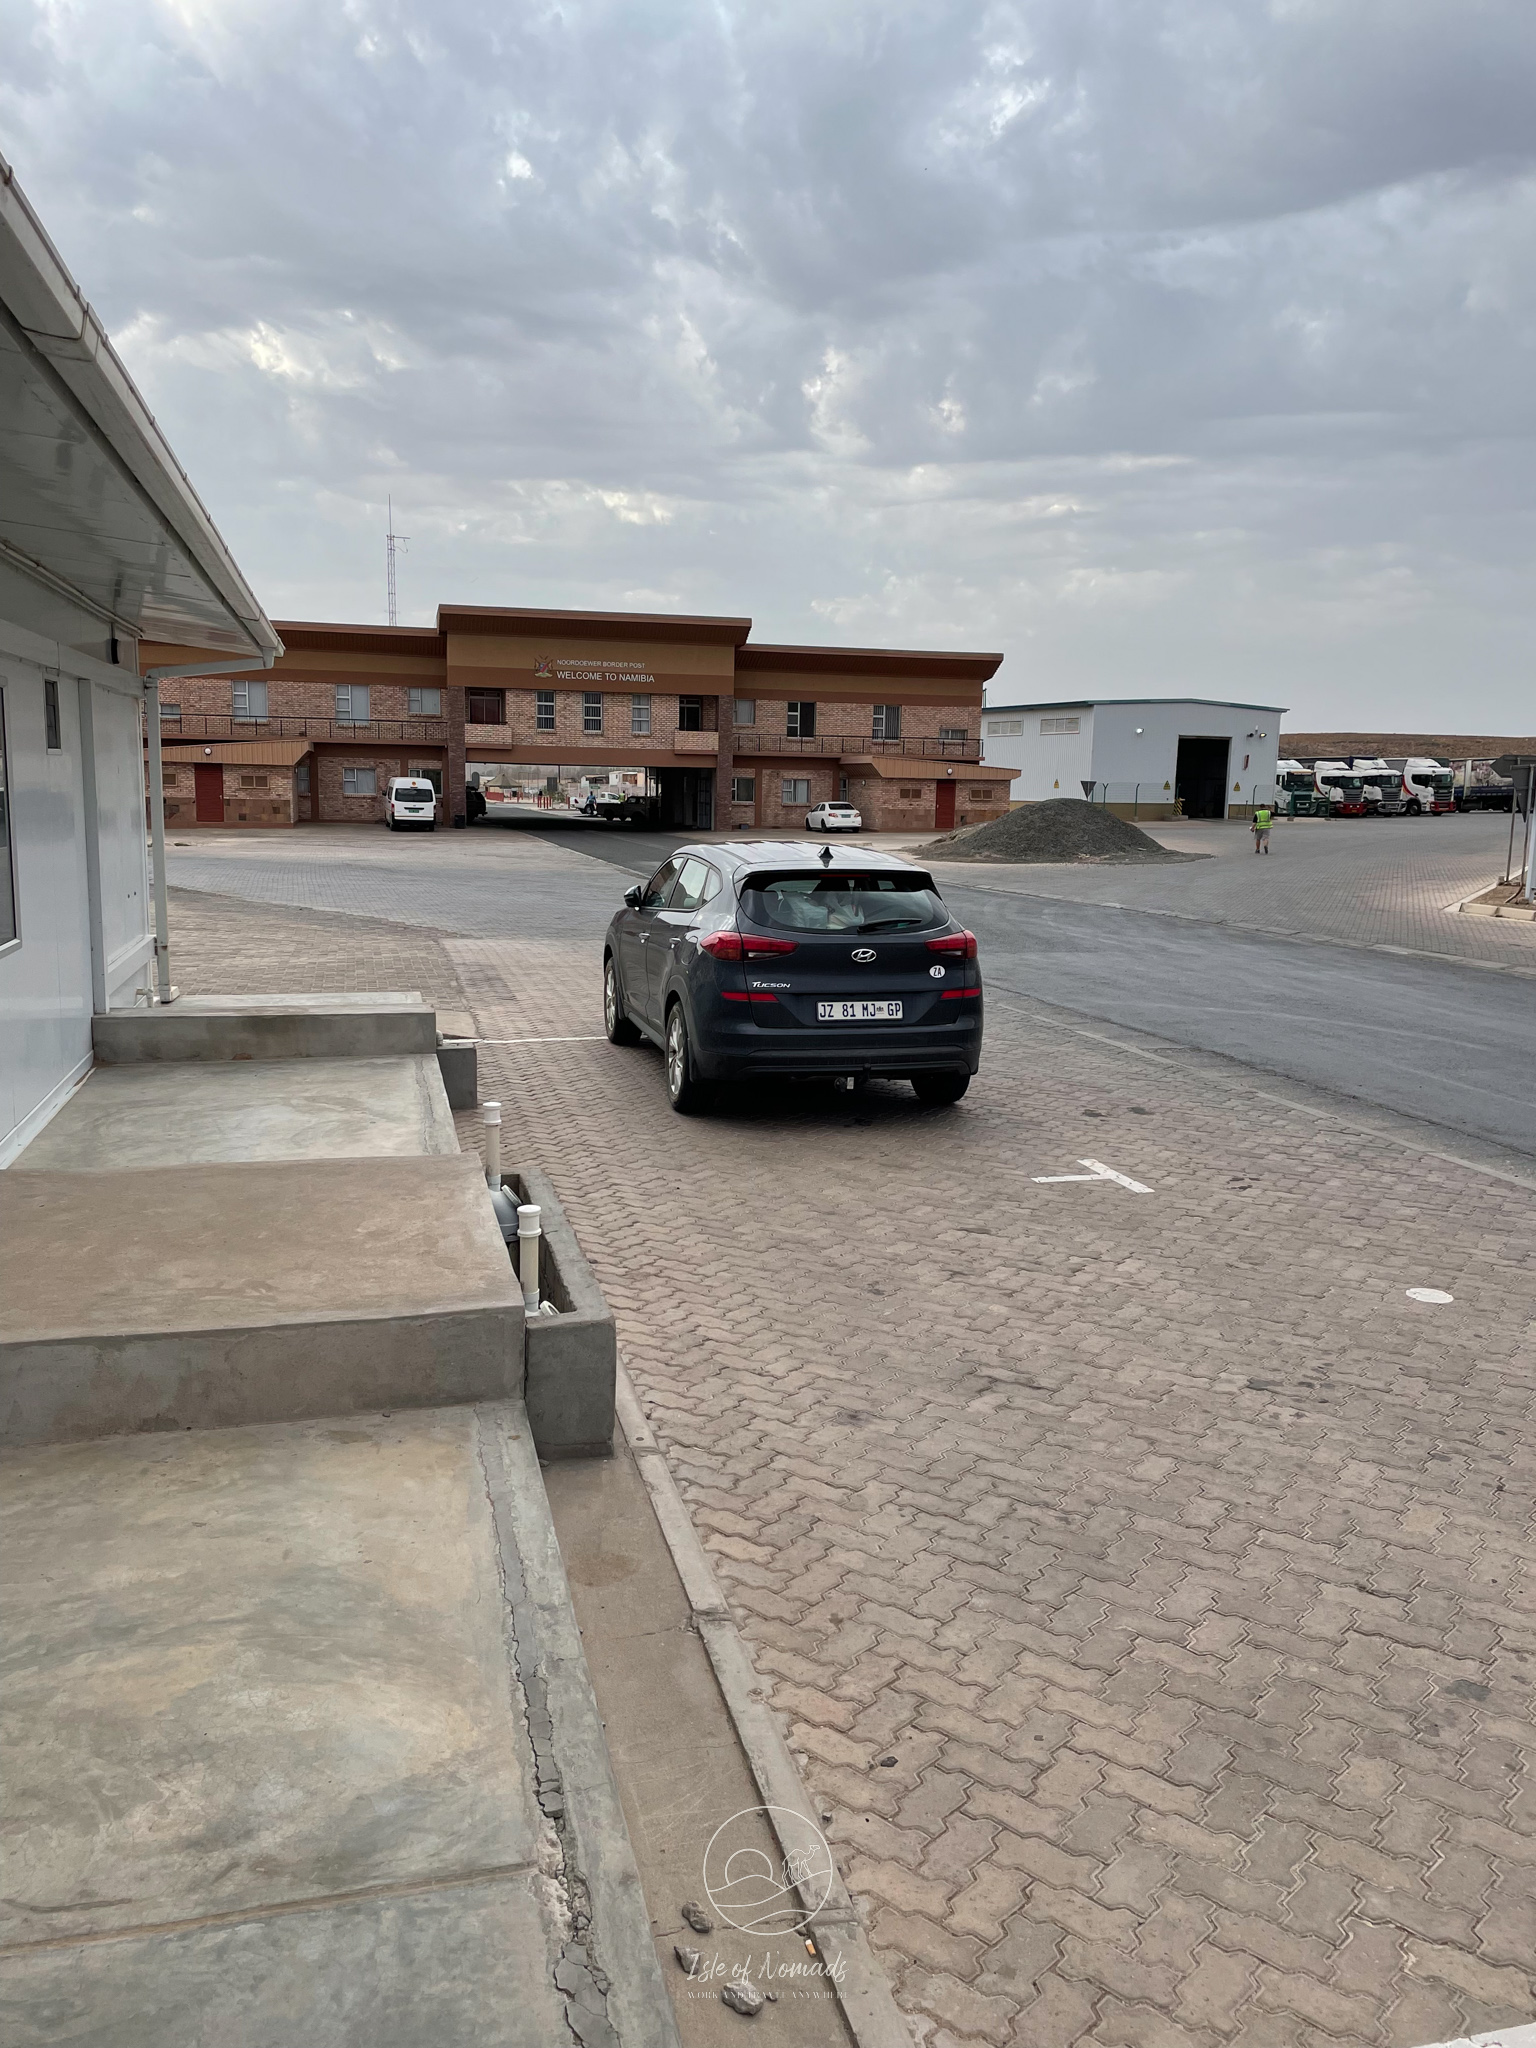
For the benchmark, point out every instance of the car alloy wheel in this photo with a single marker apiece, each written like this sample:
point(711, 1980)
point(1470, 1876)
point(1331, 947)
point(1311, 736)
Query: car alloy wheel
point(618, 1027)
point(685, 1094)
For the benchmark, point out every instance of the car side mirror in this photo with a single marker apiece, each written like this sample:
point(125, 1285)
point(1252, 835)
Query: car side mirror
point(634, 894)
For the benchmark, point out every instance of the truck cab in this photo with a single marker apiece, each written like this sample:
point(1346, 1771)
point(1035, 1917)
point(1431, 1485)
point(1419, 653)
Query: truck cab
point(1295, 790)
point(1382, 786)
point(1342, 791)
point(1428, 786)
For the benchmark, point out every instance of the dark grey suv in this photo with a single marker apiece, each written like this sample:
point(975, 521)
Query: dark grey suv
point(745, 960)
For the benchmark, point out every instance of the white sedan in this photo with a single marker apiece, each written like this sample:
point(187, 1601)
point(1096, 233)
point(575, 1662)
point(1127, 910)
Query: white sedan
point(834, 818)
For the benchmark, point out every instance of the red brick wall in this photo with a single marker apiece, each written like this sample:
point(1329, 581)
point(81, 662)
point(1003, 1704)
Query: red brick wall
point(244, 806)
point(288, 697)
point(328, 802)
point(574, 744)
point(834, 718)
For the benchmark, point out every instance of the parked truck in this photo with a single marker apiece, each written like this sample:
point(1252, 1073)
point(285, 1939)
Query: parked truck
point(1429, 787)
point(1295, 790)
point(1341, 790)
point(1382, 786)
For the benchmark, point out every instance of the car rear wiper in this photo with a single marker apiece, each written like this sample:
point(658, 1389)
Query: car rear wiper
point(892, 924)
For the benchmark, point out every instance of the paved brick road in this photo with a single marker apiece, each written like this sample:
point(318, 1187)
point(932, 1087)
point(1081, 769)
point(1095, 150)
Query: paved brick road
point(1178, 1564)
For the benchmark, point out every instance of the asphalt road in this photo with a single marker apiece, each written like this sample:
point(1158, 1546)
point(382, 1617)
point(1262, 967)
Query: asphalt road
point(1438, 1039)
point(1450, 1043)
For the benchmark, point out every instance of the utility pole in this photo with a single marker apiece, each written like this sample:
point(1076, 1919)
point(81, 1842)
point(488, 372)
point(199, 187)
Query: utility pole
point(392, 541)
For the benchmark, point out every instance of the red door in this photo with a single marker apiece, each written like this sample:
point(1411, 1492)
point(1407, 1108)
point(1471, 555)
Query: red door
point(943, 806)
point(210, 796)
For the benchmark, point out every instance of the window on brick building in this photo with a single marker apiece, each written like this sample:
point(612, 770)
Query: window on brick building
point(250, 700)
point(543, 710)
point(909, 796)
point(301, 779)
point(796, 789)
point(640, 715)
point(359, 781)
point(744, 711)
point(485, 707)
point(743, 789)
point(168, 778)
point(690, 714)
point(169, 711)
point(591, 710)
point(800, 724)
point(953, 732)
point(425, 703)
point(887, 721)
point(352, 704)
point(253, 782)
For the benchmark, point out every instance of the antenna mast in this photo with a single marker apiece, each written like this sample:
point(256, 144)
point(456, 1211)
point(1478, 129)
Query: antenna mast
point(392, 541)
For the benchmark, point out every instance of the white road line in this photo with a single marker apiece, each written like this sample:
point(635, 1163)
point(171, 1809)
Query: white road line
point(1099, 1172)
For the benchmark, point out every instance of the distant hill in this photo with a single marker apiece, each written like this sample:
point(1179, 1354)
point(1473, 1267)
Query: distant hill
point(1446, 746)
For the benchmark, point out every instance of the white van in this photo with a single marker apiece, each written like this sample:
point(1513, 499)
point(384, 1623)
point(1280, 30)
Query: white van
point(409, 800)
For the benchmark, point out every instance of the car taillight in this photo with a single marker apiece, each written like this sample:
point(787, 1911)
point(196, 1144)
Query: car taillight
point(962, 944)
point(732, 995)
point(734, 946)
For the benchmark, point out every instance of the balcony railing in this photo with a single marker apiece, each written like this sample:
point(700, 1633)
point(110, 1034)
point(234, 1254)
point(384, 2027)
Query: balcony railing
point(207, 725)
point(747, 740)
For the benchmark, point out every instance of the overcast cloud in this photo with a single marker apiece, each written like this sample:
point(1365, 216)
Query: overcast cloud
point(1164, 344)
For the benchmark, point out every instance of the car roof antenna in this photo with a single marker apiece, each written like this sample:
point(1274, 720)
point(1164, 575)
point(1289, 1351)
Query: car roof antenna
point(826, 856)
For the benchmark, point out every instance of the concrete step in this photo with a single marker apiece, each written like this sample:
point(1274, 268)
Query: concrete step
point(208, 1111)
point(205, 1296)
point(273, 1027)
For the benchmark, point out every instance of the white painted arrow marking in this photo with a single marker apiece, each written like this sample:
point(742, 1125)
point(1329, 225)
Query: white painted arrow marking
point(1099, 1172)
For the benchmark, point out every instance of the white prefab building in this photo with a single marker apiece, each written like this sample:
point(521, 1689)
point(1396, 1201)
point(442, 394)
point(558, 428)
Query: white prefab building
point(1143, 756)
point(102, 542)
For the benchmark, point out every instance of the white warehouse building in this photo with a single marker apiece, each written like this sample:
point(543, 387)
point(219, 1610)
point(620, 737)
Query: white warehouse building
point(1150, 757)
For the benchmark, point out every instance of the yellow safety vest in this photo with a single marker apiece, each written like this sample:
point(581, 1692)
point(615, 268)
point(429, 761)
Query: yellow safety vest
point(1262, 820)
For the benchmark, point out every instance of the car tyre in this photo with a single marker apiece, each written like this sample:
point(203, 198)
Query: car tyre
point(687, 1095)
point(938, 1089)
point(617, 1025)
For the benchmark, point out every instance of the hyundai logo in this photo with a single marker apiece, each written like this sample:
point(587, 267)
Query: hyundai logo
point(863, 952)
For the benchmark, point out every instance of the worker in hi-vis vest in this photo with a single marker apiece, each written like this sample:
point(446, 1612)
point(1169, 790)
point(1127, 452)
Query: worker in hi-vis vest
point(1263, 818)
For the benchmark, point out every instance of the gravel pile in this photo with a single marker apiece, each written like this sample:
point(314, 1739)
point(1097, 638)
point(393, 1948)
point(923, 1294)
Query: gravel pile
point(1061, 830)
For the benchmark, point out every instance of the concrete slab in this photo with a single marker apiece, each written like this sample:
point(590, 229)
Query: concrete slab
point(159, 1114)
point(269, 1774)
point(458, 1966)
point(204, 1296)
point(268, 1027)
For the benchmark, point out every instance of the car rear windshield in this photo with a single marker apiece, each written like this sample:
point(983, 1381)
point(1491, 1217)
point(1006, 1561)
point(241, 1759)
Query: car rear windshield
point(842, 902)
point(414, 789)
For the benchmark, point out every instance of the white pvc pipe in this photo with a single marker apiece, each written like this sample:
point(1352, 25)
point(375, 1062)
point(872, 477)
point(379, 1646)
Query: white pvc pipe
point(528, 1234)
point(491, 1113)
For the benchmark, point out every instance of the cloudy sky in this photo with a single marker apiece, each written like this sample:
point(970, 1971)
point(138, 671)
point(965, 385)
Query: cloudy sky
point(1165, 345)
